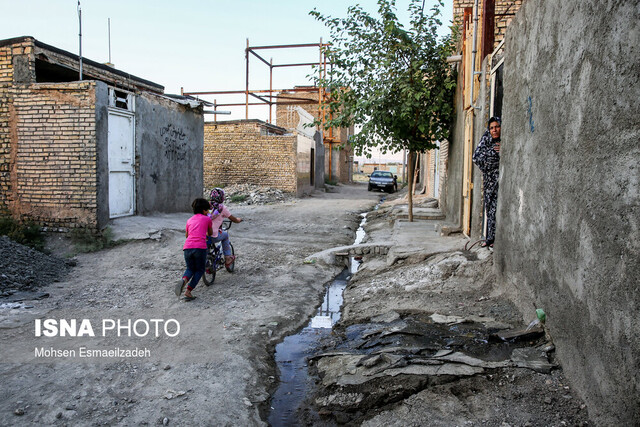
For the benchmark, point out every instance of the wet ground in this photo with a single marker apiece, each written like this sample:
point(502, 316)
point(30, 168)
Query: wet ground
point(430, 340)
point(418, 341)
point(293, 354)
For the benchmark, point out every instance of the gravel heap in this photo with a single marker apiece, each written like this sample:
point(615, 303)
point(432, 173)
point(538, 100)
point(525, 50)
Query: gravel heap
point(253, 195)
point(25, 269)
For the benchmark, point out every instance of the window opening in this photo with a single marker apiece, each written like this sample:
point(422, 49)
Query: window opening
point(121, 99)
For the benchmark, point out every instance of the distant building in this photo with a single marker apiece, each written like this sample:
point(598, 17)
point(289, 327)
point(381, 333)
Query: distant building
point(395, 168)
point(255, 152)
point(338, 157)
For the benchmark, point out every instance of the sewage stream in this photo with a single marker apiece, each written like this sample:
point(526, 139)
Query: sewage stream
point(291, 354)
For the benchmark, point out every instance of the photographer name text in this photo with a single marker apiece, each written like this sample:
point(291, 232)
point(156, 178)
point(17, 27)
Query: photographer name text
point(84, 352)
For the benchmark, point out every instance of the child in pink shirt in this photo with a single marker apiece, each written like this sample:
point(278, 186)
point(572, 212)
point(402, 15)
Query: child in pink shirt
point(199, 226)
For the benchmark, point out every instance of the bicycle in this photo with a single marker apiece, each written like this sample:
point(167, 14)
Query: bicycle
point(215, 258)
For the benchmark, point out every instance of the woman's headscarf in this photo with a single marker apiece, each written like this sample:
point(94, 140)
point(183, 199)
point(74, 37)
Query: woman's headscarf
point(216, 197)
point(487, 159)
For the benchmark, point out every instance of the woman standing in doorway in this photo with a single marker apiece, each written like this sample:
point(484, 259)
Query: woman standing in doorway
point(487, 158)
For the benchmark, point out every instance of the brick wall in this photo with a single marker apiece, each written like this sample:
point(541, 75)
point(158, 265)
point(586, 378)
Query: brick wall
point(245, 152)
point(6, 83)
point(52, 176)
point(286, 115)
point(504, 12)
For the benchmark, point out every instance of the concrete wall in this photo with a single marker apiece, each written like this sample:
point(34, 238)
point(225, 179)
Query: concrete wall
point(451, 200)
point(169, 147)
point(305, 153)
point(568, 219)
point(341, 159)
point(320, 159)
point(102, 153)
point(304, 144)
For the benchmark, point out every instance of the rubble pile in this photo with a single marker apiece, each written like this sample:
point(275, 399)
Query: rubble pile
point(250, 194)
point(25, 269)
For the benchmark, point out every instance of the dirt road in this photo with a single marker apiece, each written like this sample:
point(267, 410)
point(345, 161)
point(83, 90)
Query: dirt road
point(218, 369)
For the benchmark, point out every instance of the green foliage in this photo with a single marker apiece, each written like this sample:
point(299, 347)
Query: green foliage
point(88, 240)
point(390, 79)
point(238, 198)
point(25, 233)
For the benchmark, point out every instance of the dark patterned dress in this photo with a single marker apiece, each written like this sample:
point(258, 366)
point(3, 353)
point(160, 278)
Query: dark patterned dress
point(488, 160)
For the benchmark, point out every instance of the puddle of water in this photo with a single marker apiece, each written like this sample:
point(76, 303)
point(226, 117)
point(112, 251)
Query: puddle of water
point(291, 355)
point(354, 264)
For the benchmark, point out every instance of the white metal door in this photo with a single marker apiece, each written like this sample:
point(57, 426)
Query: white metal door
point(121, 164)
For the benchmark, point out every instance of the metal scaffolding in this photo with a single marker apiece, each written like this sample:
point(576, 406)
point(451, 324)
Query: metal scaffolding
point(266, 96)
point(270, 96)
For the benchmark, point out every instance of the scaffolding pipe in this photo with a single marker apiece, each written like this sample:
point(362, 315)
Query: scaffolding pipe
point(473, 54)
point(231, 92)
point(283, 46)
point(246, 91)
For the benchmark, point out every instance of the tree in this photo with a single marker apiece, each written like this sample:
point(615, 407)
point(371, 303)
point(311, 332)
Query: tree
point(393, 81)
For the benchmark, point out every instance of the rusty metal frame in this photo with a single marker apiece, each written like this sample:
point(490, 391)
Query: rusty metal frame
point(266, 96)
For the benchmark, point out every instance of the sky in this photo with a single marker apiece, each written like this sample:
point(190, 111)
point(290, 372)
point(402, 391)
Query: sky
point(197, 45)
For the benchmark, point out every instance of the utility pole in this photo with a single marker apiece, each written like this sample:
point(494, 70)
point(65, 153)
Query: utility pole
point(109, 29)
point(80, 36)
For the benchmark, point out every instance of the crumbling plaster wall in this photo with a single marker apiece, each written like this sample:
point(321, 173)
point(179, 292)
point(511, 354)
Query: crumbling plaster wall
point(169, 148)
point(568, 219)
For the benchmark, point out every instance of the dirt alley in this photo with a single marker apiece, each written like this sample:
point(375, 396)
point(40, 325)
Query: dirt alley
point(219, 370)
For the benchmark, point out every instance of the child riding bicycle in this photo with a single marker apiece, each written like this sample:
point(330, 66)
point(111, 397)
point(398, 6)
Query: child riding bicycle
point(217, 214)
point(197, 230)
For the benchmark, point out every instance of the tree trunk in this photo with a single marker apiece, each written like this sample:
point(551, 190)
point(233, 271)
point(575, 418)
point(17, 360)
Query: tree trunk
point(411, 171)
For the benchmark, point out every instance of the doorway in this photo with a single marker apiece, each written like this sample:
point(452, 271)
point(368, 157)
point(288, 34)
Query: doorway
point(121, 163)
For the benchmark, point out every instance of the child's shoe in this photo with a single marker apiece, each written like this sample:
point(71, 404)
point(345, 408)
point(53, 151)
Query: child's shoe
point(180, 287)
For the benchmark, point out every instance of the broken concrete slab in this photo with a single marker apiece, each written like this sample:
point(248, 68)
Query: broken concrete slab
point(532, 358)
point(387, 317)
point(447, 320)
point(521, 334)
point(459, 357)
point(349, 370)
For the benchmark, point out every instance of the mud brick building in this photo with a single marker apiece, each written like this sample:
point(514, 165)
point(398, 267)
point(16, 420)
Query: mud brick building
point(77, 153)
point(255, 152)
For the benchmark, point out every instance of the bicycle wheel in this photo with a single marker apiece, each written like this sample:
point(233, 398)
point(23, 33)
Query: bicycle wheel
point(232, 266)
point(209, 275)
